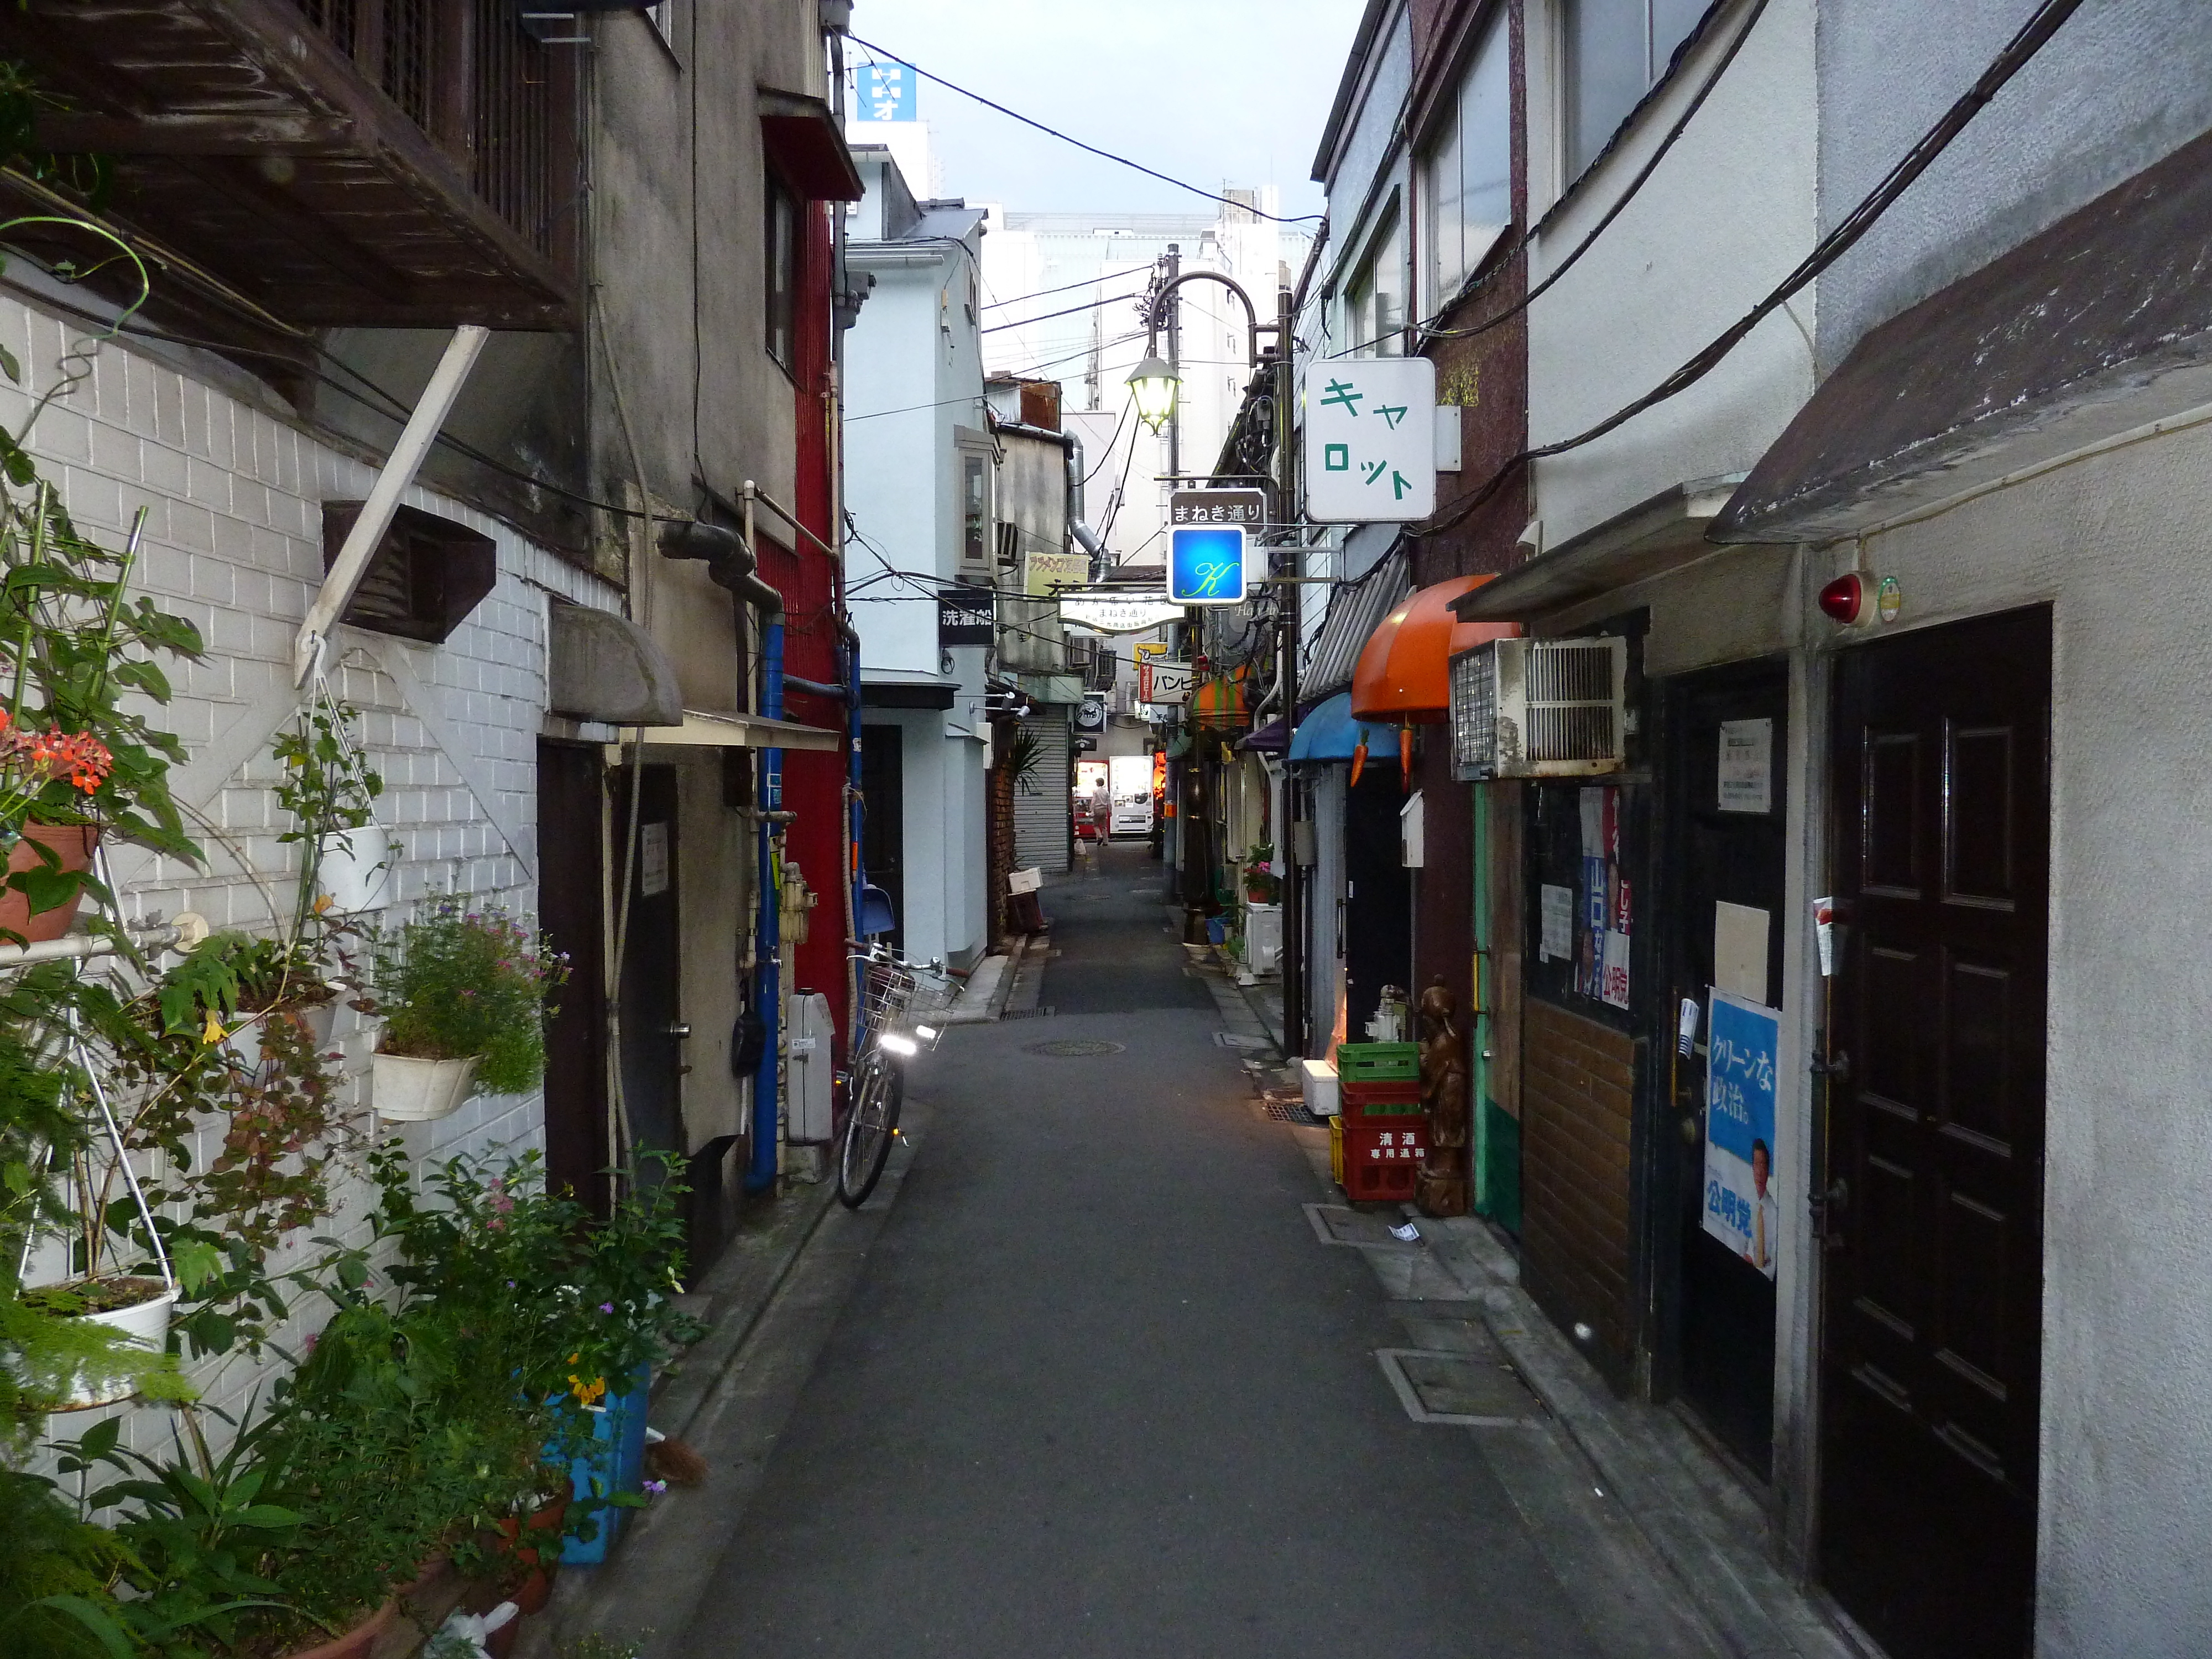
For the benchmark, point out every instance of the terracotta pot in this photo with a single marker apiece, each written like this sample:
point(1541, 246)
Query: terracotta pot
point(73, 844)
point(500, 1642)
point(534, 1591)
point(356, 1643)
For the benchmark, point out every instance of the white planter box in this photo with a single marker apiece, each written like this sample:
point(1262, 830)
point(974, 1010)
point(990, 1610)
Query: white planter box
point(145, 1325)
point(245, 1042)
point(356, 869)
point(405, 1090)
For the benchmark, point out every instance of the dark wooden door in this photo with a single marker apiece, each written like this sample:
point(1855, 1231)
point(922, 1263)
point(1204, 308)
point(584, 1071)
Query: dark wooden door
point(570, 909)
point(1378, 905)
point(883, 818)
point(1724, 849)
point(1933, 1302)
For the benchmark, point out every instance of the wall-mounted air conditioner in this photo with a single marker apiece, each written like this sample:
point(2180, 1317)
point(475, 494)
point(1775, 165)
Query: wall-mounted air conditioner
point(1539, 708)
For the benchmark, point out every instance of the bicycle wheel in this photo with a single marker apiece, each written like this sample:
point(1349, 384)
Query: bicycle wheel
point(869, 1126)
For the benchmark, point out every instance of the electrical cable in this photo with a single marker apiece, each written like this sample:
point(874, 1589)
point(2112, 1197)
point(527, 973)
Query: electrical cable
point(2031, 39)
point(1040, 293)
point(1054, 132)
point(1496, 265)
point(1111, 299)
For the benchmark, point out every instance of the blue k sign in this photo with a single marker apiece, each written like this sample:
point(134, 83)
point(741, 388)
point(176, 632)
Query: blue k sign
point(1206, 566)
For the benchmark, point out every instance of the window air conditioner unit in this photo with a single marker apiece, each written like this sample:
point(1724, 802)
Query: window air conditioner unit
point(1539, 708)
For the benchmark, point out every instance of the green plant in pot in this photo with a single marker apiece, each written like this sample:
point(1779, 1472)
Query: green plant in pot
point(462, 993)
point(1262, 884)
point(346, 858)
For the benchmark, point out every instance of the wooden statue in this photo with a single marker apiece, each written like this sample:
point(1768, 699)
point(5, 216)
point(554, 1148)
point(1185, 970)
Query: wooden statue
point(1443, 1187)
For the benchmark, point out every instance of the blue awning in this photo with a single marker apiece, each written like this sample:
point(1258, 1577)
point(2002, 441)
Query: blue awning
point(1330, 734)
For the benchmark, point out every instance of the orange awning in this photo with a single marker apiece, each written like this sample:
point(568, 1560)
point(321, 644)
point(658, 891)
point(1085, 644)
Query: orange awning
point(1405, 671)
point(1219, 701)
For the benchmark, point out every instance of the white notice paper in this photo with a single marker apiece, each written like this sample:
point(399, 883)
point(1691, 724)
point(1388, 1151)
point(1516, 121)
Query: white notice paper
point(1613, 984)
point(1558, 941)
point(1593, 815)
point(1739, 950)
point(1746, 766)
point(652, 860)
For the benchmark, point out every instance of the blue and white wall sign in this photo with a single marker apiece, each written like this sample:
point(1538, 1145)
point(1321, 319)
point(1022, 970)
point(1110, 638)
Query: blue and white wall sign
point(1206, 566)
point(1741, 1209)
point(883, 92)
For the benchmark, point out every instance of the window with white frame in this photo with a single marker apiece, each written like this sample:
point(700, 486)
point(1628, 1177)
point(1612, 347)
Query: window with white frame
point(1375, 298)
point(1467, 169)
point(1616, 51)
point(664, 19)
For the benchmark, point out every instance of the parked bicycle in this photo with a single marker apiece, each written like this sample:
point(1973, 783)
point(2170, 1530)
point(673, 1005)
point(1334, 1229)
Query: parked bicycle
point(875, 1086)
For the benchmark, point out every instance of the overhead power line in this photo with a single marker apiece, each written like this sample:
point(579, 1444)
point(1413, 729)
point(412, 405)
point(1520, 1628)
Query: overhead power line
point(2018, 52)
point(1046, 316)
point(1040, 293)
point(886, 53)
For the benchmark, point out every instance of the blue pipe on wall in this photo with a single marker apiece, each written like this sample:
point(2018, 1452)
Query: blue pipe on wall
point(769, 970)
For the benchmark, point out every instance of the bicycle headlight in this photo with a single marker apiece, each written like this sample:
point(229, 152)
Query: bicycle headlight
point(899, 1045)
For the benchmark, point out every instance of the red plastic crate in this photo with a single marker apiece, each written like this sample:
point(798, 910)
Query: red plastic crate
point(1362, 1102)
point(1382, 1157)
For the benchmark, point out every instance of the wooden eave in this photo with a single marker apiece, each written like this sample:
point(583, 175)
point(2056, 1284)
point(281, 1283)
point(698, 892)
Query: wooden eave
point(245, 140)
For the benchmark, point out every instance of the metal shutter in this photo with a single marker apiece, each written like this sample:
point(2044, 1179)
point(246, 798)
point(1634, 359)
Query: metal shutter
point(1041, 817)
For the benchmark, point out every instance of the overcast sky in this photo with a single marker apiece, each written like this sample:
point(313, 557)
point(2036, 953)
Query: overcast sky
point(1210, 91)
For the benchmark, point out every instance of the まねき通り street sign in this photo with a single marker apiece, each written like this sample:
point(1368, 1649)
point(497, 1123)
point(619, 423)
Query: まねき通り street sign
point(1206, 566)
point(1245, 507)
point(1370, 445)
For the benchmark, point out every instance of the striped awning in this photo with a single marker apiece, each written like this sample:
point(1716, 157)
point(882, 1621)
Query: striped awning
point(1355, 611)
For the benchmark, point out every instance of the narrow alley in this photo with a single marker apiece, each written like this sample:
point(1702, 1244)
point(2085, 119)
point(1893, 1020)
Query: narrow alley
point(1083, 1378)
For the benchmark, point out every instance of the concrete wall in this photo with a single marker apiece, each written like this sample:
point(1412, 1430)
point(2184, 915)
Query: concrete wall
point(2121, 84)
point(1725, 218)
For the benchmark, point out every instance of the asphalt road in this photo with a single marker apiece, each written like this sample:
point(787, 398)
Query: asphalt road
point(1097, 1390)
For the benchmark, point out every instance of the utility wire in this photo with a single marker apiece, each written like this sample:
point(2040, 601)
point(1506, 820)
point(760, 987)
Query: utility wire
point(1054, 132)
point(1093, 305)
point(2034, 35)
point(1040, 293)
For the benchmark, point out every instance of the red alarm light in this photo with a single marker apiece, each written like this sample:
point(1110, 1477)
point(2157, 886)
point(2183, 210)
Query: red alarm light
point(1845, 599)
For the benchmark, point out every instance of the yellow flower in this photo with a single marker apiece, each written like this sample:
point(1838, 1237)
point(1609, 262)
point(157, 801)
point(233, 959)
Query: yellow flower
point(213, 1033)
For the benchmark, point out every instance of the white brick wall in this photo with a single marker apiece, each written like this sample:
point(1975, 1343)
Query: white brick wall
point(233, 541)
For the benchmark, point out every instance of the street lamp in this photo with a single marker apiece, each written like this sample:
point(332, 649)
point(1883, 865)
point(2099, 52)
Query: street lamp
point(1154, 385)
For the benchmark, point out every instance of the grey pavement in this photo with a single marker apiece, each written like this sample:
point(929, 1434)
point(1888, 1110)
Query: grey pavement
point(1086, 1378)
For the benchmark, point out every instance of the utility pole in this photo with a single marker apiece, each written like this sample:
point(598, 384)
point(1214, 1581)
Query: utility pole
point(1175, 360)
point(1287, 624)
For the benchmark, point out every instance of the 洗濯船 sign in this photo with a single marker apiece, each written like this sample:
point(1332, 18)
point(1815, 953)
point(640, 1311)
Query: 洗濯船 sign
point(965, 616)
point(1371, 443)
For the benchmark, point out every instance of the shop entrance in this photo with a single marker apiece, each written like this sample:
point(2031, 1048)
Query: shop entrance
point(1728, 734)
point(1378, 903)
point(1932, 1321)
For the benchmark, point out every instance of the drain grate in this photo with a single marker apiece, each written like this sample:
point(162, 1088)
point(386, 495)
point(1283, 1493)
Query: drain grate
point(1073, 1048)
point(1045, 1012)
point(1287, 1106)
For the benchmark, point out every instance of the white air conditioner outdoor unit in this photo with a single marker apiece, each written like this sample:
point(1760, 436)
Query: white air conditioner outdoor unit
point(1539, 708)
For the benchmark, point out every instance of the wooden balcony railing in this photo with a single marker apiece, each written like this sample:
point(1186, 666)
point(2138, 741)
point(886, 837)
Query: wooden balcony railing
point(371, 162)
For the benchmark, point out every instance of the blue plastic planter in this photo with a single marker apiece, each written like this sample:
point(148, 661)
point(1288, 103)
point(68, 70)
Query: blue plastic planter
point(615, 1463)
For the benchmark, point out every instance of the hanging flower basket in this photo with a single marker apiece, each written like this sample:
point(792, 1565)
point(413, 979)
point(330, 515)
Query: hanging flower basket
point(136, 1308)
point(356, 868)
point(73, 843)
point(410, 1090)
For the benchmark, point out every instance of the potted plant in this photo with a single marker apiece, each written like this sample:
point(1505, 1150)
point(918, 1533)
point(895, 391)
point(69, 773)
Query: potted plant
point(347, 858)
point(462, 993)
point(77, 665)
point(1262, 884)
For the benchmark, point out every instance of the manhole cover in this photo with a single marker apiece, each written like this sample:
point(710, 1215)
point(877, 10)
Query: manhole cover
point(1459, 1388)
point(1073, 1048)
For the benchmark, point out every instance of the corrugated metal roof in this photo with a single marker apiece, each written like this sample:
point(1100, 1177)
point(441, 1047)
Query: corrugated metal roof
point(1355, 611)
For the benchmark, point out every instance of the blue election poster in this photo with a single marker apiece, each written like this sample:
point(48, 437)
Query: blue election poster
point(1741, 1209)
